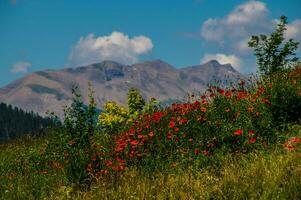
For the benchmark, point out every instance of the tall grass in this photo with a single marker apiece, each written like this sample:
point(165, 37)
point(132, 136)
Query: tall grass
point(271, 174)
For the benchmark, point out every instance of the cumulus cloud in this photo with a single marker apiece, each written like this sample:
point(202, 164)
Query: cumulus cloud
point(20, 67)
point(223, 59)
point(245, 20)
point(294, 30)
point(117, 47)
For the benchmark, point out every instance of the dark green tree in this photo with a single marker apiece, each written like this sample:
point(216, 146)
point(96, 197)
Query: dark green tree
point(15, 122)
point(273, 53)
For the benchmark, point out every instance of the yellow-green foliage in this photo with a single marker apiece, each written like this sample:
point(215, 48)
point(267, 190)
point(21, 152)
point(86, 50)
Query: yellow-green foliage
point(113, 116)
point(135, 101)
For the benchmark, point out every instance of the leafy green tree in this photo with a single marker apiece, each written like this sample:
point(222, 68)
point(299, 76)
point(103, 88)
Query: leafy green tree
point(79, 126)
point(272, 52)
point(135, 101)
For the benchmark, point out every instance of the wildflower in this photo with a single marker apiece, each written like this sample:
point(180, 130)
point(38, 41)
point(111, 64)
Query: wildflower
point(252, 140)
point(203, 96)
point(295, 140)
point(265, 100)
point(204, 102)
point(251, 133)
point(108, 163)
point(169, 136)
point(206, 153)
point(134, 142)
point(172, 124)
point(196, 151)
point(250, 109)
point(228, 94)
point(151, 134)
point(190, 140)
point(104, 171)
point(289, 146)
point(210, 145)
point(227, 110)
point(203, 109)
point(177, 129)
point(157, 116)
point(183, 121)
point(238, 132)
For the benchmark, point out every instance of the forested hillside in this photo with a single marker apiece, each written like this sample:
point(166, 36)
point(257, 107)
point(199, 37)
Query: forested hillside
point(15, 122)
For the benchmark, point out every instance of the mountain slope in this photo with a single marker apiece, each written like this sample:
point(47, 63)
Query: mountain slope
point(51, 89)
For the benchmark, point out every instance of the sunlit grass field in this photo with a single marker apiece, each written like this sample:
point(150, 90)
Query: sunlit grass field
point(274, 173)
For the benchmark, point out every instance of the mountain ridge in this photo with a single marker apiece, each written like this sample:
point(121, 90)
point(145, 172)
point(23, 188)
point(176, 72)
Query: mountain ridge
point(50, 90)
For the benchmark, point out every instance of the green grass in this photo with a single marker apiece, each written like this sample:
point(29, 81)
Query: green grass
point(271, 174)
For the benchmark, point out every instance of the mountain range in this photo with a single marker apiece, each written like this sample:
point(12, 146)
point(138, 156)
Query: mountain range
point(50, 90)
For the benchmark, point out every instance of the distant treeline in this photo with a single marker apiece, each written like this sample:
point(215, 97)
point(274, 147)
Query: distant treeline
point(15, 123)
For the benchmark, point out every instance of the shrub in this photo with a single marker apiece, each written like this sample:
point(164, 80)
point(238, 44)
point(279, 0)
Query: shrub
point(72, 144)
point(226, 120)
point(285, 97)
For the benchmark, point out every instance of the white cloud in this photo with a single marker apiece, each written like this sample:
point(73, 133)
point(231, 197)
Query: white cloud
point(117, 47)
point(246, 19)
point(20, 67)
point(294, 30)
point(223, 59)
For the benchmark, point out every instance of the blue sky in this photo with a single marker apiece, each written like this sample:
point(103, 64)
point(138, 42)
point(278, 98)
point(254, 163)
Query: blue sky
point(53, 34)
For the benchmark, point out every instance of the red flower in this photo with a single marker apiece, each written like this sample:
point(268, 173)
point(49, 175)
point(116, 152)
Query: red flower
point(222, 92)
point(203, 97)
point(204, 102)
point(183, 121)
point(206, 153)
point(295, 140)
point(238, 132)
point(227, 109)
point(134, 142)
point(172, 124)
point(251, 133)
point(289, 146)
point(151, 134)
point(250, 109)
point(228, 94)
point(252, 140)
point(203, 109)
point(177, 129)
point(157, 116)
point(169, 136)
point(196, 151)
